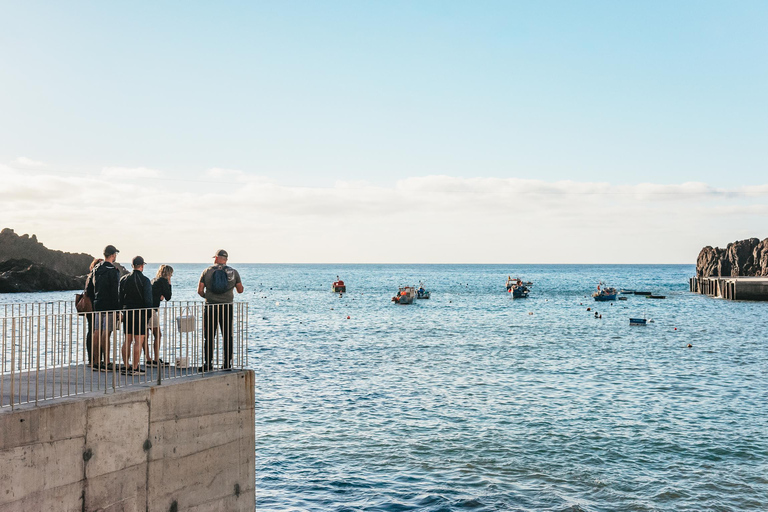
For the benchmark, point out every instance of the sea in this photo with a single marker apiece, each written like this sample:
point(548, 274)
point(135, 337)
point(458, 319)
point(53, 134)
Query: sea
point(473, 400)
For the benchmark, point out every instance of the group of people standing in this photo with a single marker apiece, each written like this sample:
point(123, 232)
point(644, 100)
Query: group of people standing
point(134, 300)
point(140, 299)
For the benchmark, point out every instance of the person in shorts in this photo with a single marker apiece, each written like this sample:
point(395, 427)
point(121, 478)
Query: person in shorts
point(161, 290)
point(106, 281)
point(135, 295)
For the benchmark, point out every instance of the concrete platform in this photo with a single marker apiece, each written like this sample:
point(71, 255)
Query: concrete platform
point(46, 384)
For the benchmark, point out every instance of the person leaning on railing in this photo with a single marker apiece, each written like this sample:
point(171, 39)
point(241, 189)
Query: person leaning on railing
point(216, 286)
point(135, 297)
point(106, 279)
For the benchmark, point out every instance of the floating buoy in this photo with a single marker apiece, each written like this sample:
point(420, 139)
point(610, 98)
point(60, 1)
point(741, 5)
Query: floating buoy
point(690, 346)
point(675, 328)
point(589, 309)
point(277, 303)
point(347, 317)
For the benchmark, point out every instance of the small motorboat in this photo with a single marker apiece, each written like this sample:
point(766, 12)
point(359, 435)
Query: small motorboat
point(605, 293)
point(655, 296)
point(517, 287)
point(622, 298)
point(519, 292)
point(338, 286)
point(627, 292)
point(643, 293)
point(422, 293)
point(637, 321)
point(405, 295)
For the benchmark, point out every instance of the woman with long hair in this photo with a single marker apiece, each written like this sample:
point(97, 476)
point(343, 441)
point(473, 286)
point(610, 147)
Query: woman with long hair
point(161, 290)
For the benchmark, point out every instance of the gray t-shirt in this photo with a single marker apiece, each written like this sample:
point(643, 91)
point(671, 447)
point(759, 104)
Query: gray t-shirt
point(220, 298)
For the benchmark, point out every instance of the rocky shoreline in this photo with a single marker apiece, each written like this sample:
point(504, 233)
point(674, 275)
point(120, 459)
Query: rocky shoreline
point(26, 265)
point(741, 258)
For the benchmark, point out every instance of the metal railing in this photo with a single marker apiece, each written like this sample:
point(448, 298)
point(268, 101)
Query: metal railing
point(48, 350)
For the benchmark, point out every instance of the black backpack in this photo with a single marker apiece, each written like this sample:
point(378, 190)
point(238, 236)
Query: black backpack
point(219, 281)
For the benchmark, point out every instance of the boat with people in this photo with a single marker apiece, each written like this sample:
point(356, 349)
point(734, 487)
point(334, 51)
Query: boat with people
point(405, 295)
point(422, 293)
point(604, 293)
point(338, 286)
point(517, 287)
point(517, 281)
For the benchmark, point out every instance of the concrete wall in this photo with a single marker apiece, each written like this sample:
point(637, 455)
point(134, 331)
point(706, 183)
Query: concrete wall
point(185, 445)
point(732, 288)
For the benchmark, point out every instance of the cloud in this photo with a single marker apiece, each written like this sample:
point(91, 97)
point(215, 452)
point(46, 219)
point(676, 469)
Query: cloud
point(419, 219)
point(129, 173)
point(27, 162)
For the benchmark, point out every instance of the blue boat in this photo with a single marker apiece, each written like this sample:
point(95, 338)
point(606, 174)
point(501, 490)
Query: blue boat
point(605, 293)
point(637, 321)
point(519, 292)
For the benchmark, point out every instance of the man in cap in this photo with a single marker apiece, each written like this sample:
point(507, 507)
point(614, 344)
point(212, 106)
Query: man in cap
point(106, 278)
point(136, 297)
point(216, 286)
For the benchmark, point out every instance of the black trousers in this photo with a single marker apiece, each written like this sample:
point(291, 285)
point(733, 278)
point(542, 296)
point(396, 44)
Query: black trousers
point(218, 317)
point(89, 335)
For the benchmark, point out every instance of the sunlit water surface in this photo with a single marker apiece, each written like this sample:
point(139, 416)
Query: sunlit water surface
point(474, 401)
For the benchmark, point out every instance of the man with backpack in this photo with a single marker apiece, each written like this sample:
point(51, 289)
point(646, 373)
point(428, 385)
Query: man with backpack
point(216, 286)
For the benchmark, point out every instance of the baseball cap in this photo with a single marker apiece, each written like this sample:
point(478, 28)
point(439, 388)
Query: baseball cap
point(221, 253)
point(110, 250)
point(138, 261)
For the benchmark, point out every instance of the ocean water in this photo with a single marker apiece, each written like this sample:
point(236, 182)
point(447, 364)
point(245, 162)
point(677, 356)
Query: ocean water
point(472, 400)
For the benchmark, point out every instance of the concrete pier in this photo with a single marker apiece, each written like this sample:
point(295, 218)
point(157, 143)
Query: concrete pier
point(731, 288)
point(185, 445)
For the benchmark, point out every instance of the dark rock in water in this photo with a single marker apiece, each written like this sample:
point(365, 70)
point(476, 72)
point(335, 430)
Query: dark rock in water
point(20, 275)
point(741, 258)
point(13, 246)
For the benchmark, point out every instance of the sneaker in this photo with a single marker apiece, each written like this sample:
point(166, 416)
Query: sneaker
point(108, 367)
point(163, 363)
point(132, 371)
point(150, 363)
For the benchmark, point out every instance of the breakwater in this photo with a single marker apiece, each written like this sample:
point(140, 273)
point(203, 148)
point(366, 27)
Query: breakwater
point(731, 288)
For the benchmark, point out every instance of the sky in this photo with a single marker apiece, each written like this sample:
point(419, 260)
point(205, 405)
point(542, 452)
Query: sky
point(385, 132)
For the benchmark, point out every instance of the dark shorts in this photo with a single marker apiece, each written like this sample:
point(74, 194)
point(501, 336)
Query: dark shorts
point(135, 321)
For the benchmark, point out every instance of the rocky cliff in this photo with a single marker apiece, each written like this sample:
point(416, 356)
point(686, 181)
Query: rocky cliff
point(13, 246)
point(742, 258)
point(19, 275)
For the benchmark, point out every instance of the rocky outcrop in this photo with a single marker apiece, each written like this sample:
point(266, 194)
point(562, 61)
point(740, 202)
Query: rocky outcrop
point(13, 246)
point(742, 258)
point(21, 275)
